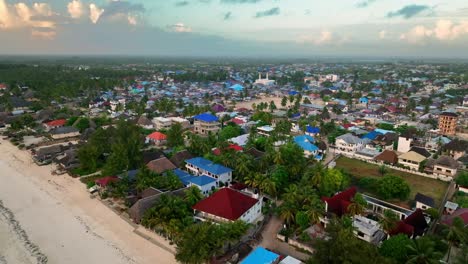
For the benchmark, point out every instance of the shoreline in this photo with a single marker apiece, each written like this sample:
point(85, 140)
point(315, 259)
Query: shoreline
point(58, 215)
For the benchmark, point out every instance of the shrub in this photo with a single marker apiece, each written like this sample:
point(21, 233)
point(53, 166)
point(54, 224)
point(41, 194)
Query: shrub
point(391, 187)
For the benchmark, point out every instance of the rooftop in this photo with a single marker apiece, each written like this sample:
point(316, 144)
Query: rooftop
point(208, 165)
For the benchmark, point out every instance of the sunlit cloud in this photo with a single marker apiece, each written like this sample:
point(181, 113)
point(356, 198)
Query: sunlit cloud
point(76, 9)
point(95, 13)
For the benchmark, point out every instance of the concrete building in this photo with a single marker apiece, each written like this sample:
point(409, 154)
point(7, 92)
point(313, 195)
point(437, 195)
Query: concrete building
point(162, 123)
point(448, 123)
point(411, 159)
point(350, 144)
point(404, 144)
point(367, 229)
point(206, 123)
point(201, 166)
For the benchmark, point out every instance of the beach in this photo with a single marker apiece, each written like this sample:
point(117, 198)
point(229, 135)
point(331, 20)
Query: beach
point(46, 218)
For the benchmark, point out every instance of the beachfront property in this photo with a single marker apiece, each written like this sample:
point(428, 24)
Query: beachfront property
point(261, 255)
point(205, 124)
point(200, 166)
point(227, 205)
point(54, 124)
point(206, 184)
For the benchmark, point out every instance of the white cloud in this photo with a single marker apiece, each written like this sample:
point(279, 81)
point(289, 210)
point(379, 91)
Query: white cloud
point(44, 34)
point(21, 15)
point(95, 13)
point(417, 35)
point(325, 37)
point(132, 20)
point(443, 30)
point(180, 27)
point(42, 9)
point(75, 9)
point(322, 38)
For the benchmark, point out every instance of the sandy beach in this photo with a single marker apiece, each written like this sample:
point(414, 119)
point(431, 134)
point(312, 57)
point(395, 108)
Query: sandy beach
point(51, 219)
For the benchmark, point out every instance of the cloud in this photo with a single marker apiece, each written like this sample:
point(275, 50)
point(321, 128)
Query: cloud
point(228, 15)
point(270, 12)
point(417, 35)
point(322, 38)
point(240, 1)
point(75, 9)
point(409, 11)
point(180, 28)
point(448, 30)
point(365, 3)
point(182, 3)
point(95, 13)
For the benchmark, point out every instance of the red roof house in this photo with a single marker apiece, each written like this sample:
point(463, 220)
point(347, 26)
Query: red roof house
point(55, 123)
point(338, 204)
point(234, 147)
point(3, 86)
point(237, 121)
point(413, 225)
point(156, 138)
point(103, 182)
point(229, 205)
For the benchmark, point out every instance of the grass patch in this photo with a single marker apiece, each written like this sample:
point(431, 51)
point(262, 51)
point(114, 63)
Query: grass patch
point(360, 169)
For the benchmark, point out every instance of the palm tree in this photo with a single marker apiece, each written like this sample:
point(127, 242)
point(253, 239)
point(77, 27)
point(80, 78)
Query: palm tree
point(193, 195)
point(318, 175)
point(287, 212)
point(388, 222)
point(291, 193)
point(268, 186)
point(278, 158)
point(421, 251)
point(243, 165)
point(355, 209)
point(456, 233)
point(314, 214)
point(249, 179)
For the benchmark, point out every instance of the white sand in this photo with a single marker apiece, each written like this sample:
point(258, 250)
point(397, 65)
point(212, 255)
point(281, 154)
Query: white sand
point(58, 216)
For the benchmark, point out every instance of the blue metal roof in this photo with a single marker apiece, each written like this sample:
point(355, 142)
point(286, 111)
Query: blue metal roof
point(184, 177)
point(260, 256)
point(206, 117)
point(293, 93)
point(306, 143)
point(208, 166)
point(372, 135)
point(202, 180)
point(237, 87)
point(313, 130)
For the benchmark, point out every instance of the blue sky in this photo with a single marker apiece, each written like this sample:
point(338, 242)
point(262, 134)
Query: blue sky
point(299, 28)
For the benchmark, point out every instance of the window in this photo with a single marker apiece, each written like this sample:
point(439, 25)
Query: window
point(360, 234)
point(449, 171)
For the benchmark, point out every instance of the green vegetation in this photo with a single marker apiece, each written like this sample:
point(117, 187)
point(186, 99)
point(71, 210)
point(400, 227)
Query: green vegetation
point(360, 169)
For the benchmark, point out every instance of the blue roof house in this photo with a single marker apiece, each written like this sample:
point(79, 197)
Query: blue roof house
point(203, 182)
point(372, 135)
point(237, 87)
point(312, 131)
point(307, 144)
point(261, 256)
point(363, 100)
point(206, 123)
point(200, 166)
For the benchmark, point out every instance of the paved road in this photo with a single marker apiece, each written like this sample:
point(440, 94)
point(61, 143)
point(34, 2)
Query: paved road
point(271, 242)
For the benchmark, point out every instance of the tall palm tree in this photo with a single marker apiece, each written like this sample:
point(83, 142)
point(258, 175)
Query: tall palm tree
point(278, 158)
point(288, 212)
point(268, 186)
point(355, 209)
point(249, 179)
point(422, 251)
point(389, 220)
point(193, 195)
point(318, 173)
point(456, 233)
point(243, 165)
point(291, 193)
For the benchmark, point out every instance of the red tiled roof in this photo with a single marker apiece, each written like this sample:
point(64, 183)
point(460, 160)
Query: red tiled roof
point(55, 123)
point(346, 126)
point(339, 203)
point(3, 86)
point(402, 228)
point(157, 136)
point(103, 182)
point(226, 203)
point(414, 224)
point(237, 121)
point(462, 213)
point(234, 147)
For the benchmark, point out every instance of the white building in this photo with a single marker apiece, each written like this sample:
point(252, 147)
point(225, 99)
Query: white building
point(265, 81)
point(404, 144)
point(367, 229)
point(350, 144)
point(201, 166)
point(162, 123)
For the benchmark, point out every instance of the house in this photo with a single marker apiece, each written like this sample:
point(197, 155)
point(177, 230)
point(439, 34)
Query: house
point(205, 183)
point(180, 157)
point(160, 165)
point(46, 154)
point(265, 130)
point(156, 138)
point(385, 141)
point(404, 143)
point(450, 207)
point(424, 202)
point(232, 147)
point(228, 205)
point(54, 124)
point(350, 144)
point(446, 166)
point(261, 256)
point(413, 226)
point(411, 159)
point(461, 213)
point(64, 132)
point(379, 207)
point(145, 123)
point(201, 166)
point(367, 229)
point(205, 124)
point(162, 123)
point(338, 204)
point(104, 182)
point(312, 131)
point(456, 148)
point(387, 157)
point(307, 144)
point(290, 260)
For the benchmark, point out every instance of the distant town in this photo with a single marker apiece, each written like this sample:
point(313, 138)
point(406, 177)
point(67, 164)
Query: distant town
point(248, 162)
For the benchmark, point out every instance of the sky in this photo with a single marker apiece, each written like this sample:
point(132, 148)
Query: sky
point(236, 28)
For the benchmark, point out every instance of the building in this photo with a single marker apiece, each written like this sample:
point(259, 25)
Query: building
point(160, 165)
point(265, 81)
point(456, 148)
point(64, 132)
point(350, 144)
point(156, 138)
point(379, 207)
point(206, 123)
point(387, 157)
point(261, 256)
point(411, 159)
point(162, 123)
point(424, 202)
point(205, 183)
point(446, 166)
point(448, 123)
point(265, 130)
point(54, 124)
point(227, 205)
point(367, 229)
point(404, 143)
point(201, 166)
point(307, 144)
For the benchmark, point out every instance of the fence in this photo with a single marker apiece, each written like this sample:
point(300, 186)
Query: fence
point(295, 243)
point(432, 176)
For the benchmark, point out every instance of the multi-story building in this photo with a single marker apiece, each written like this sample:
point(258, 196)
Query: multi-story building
point(162, 123)
point(206, 123)
point(448, 123)
point(350, 144)
point(201, 166)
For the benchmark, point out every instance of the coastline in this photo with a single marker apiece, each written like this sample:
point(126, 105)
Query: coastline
point(58, 216)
